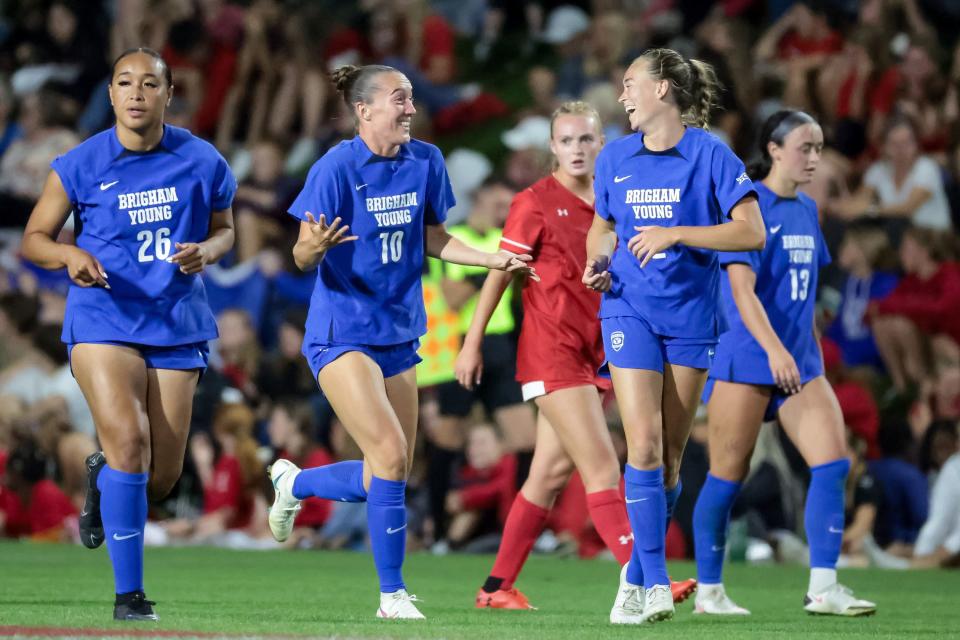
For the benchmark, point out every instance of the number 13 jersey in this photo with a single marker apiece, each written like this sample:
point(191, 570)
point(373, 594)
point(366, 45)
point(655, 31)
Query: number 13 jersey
point(786, 271)
point(130, 209)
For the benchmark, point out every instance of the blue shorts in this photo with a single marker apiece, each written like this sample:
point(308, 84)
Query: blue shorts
point(392, 358)
point(630, 343)
point(777, 397)
point(182, 356)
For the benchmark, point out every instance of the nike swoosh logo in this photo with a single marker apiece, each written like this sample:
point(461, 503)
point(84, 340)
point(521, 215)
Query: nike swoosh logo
point(104, 187)
point(391, 531)
point(716, 548)
point(776, 228)
point(127, 537)
point(619, 179)
point(361, 186)
point(834, 530)
point(629, 501)
point(84, 513)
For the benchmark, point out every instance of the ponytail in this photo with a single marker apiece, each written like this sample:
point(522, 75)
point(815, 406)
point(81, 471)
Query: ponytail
point(693, 83)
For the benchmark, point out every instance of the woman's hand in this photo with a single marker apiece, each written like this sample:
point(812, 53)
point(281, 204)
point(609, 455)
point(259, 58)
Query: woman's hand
point(84, 269)
point(469, 366)
point(513, 263)
point(786, 375)
point(192, 257)
point(596, 275)
point(324, 237)
point(651, 241)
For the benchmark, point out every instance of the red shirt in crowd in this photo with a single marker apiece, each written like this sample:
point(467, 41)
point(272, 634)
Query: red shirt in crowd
point(933, 305)
point(492, 488)
point(44, 512)
point(226, 489)
point(314, 512)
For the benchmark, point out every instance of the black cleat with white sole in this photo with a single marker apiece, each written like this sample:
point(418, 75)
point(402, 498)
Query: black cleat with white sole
point(91, 524)
point(133, 606)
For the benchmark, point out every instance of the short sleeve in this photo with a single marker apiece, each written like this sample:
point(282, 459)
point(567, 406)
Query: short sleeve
point(823, 251)
point(439, 191)
point(224, 185)
point(750, 258)
point(730, 180)
point(601, 196)
point(321, 194)
point(926, 175)
point(62, 166)
point(524, 226)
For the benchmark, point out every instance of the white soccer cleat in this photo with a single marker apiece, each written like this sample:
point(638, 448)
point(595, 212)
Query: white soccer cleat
point(628, 607)
point(713, 600)
point(838, 600)
point(659, 603)
point(399, 606)
point(285, 506)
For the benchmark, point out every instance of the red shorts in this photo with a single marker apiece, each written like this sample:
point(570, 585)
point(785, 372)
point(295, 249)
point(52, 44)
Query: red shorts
point(560, 368)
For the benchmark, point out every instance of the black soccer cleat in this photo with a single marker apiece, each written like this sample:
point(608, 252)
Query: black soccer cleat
point(133, 606)
point(91, 524)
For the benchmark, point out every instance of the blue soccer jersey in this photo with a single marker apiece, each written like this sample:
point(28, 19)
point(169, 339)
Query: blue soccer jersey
point(786, 286)
point(696, 183)
point(130, 208)
point(368, 291)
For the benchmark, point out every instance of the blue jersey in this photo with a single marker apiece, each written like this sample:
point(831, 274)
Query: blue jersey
point(696, 183)
point(368, 291)
point(130, 208)
point(786, 286)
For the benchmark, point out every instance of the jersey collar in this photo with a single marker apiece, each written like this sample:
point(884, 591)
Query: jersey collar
point(116, 149)
point(677, 151)
point(365, 156)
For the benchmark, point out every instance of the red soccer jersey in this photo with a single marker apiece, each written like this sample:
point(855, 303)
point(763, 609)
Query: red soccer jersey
point(226, 490)
point(560, 338)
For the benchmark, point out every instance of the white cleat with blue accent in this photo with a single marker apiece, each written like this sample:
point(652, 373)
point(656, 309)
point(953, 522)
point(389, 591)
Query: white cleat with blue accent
point(285, 506)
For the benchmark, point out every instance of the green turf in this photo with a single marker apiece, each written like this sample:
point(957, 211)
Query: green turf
point(335, 594)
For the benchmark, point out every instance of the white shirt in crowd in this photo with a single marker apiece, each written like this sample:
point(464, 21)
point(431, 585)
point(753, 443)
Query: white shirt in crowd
point(942, 528)
point(925, 174)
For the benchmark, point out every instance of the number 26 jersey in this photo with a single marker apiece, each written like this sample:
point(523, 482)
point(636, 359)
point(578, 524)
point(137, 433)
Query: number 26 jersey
point(130, 209)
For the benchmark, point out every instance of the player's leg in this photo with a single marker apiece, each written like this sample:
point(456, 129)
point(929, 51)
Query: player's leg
point(813, 422)
point(576, 415)
point(639, 395)
point(735, 414)
point(550, 470)
point(169, 407)
point(113, 380)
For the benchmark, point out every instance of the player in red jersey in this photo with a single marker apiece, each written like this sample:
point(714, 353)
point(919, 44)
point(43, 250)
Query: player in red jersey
point(558, 356)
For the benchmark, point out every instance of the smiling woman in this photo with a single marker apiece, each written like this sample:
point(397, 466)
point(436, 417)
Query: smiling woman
point(152, 208)
point(366, 313)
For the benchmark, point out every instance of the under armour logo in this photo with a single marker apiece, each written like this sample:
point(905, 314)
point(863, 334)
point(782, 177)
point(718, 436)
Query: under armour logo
point(562, 213)
point(625, 540)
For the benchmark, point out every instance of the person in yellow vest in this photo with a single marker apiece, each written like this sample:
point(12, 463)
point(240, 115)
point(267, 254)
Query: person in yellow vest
point(500, 392)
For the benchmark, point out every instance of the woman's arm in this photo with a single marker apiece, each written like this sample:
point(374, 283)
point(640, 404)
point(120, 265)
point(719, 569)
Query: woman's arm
point(745, 232)
point(863, 519)
point(743, 283)
point(39, 244)
point(917, 198)
point(469, 364)
point(601, 241)
point(440, 244)
point(193, 257)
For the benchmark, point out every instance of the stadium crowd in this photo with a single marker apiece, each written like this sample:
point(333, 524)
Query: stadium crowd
point(881, 76)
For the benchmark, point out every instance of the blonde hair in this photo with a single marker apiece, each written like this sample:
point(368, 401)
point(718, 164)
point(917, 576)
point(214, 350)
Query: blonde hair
point(237, 421)
point(576, 108)
point(874, 244)
point(693, 83)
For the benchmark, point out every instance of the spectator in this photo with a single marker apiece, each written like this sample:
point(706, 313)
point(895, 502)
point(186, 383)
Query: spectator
point(31, 504)
point(862, 501)
point(261, 203)
point(904, 491)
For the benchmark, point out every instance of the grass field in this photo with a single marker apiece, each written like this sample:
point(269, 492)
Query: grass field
point(321, 594)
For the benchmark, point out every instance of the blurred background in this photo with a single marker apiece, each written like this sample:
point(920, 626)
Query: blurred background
point(882, 77)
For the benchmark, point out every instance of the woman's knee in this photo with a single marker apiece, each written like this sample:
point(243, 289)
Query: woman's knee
point(389, 459)
point(163, 477)
point(645, 448)
point(126, 445)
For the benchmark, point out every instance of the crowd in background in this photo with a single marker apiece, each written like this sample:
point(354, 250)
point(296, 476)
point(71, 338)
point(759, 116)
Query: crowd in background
point(881, 76)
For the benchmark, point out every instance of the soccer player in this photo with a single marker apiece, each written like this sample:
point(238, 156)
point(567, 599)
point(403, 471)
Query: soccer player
point(366, 314)
point(663, 198)
point(558, 357)
point(151, 205)
point(768, 364)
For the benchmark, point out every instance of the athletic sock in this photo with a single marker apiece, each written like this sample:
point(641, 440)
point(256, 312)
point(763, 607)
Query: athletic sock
point(711, 517)
point(123, 506)
point(524, 524)
point(647, 509)
point(823, 520)
point(341, 481)
point(672, 495)
point(609, 515)
point(387, 523)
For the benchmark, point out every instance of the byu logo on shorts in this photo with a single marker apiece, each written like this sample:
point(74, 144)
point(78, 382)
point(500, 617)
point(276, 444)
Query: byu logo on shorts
point(616, 340)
